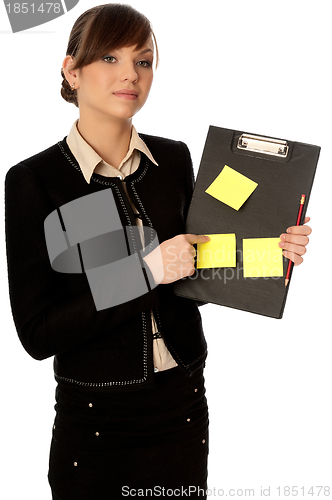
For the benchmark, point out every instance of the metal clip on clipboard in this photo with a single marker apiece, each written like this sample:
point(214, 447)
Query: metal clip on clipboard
point(264, 145)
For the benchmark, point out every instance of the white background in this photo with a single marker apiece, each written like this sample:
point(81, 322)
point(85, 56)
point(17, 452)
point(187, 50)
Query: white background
point(259, 66)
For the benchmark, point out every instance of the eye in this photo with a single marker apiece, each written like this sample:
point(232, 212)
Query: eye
point(144, 64)
point(109, 59)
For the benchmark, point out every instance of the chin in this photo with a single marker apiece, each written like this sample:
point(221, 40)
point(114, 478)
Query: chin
point(124, 114)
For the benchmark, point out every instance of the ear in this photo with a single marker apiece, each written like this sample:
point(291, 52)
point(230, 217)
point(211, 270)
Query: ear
point(71, 75)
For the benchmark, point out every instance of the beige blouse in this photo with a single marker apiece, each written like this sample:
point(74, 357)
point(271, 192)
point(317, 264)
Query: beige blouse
point(90, 162)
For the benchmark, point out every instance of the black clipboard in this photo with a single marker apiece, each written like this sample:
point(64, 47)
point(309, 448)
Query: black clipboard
point(283, 170)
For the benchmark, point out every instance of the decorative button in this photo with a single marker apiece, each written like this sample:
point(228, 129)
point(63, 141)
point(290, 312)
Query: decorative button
point(188, 419)
point(53, 426)
point(203, 441)
point(90, 405)
point(96, 433)
point(156, 370)
point(196, 390)
point(119, 177)
point(75, 464)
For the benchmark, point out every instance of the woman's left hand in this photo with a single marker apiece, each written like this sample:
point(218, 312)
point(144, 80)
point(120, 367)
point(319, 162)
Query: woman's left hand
point(294, 242)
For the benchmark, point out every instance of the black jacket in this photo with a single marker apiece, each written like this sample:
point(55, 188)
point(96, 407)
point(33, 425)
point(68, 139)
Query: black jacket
point(54, 313)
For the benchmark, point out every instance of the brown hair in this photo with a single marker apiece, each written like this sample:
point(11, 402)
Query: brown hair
point(100, 29)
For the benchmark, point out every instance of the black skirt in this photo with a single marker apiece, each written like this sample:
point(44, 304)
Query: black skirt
point(148, 443)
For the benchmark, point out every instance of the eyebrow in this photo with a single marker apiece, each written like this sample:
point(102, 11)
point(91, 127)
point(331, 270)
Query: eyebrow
point(141, 52)
point(144, 51)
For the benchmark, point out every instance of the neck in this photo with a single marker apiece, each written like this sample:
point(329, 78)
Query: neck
point(109, 138)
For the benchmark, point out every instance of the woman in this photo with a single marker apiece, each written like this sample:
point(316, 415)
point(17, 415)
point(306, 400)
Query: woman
point(129, 355)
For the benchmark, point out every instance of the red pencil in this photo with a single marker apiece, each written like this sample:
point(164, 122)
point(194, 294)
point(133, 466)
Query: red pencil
point(291, 263)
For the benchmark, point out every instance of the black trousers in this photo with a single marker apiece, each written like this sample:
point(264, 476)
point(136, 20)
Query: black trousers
point(150, 443)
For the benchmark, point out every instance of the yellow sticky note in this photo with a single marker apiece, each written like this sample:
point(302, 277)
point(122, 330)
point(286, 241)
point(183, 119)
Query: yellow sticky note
point(220, 251)
point(262, 258)
point(231, 187)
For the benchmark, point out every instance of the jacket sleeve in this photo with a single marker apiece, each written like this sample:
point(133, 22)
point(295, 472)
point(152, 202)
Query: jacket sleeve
point(53, 312)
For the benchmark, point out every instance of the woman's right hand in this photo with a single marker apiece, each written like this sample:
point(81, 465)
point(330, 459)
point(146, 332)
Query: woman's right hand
point(174, 258)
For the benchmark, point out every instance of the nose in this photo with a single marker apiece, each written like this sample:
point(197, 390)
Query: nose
point(129, 73)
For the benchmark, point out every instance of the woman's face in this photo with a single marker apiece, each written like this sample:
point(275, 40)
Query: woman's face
point(117, 85)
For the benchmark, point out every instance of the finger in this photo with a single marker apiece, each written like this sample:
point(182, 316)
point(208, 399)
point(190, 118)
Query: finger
point(293, 238)
point(306, 230)
point(307, 219)
point(298, 249)
point(297, 259)
point(197, 238)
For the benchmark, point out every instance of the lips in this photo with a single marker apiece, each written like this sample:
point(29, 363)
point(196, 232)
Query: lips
point(126, 94)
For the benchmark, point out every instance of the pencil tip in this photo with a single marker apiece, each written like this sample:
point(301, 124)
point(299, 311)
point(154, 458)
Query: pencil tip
point(286, 282)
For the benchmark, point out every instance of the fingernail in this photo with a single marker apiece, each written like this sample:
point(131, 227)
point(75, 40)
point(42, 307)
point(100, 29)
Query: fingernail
point(285, 253)
point(282, 236)
point(207, 238)
point(289, 230)
point(281, 244)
